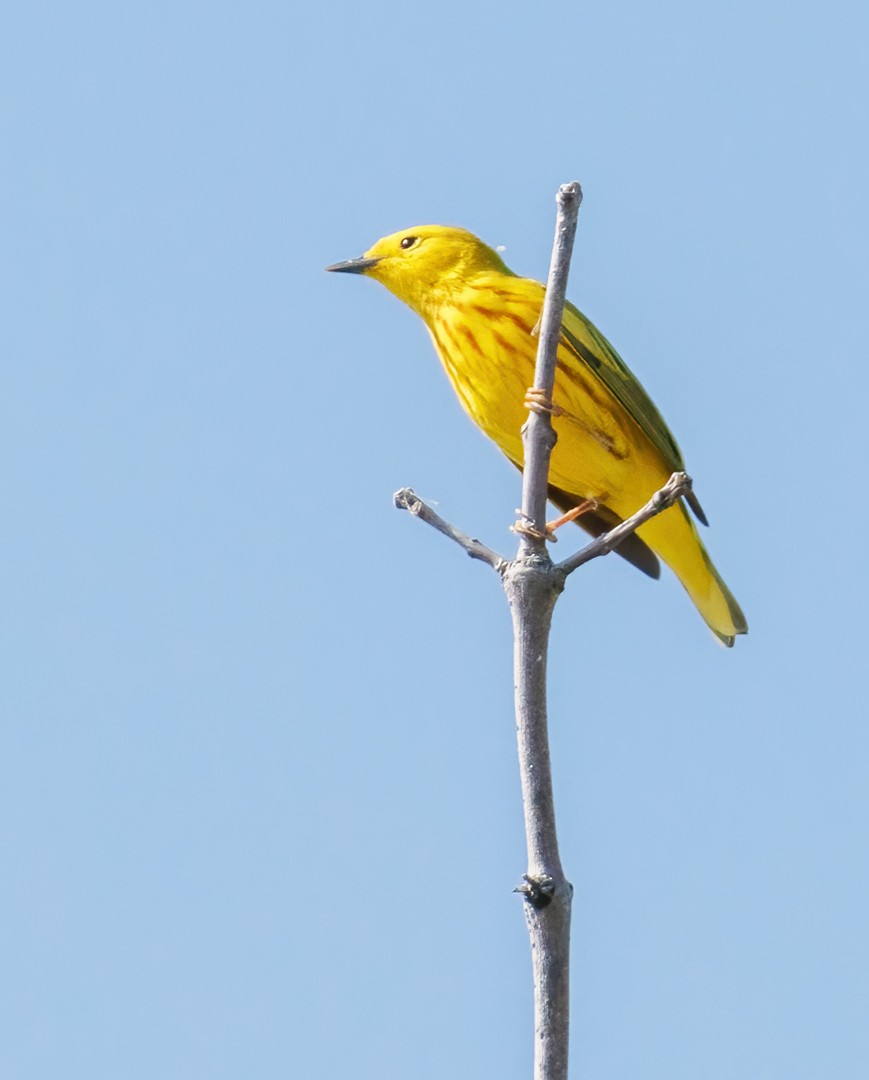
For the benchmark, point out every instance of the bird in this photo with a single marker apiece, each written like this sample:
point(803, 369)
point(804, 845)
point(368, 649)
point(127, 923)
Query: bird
point(613, 448)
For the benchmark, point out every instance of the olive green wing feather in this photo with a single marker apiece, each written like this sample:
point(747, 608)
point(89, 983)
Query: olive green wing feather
point(591, 348)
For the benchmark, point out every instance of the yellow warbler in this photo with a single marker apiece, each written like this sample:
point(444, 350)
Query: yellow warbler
point(613, 445)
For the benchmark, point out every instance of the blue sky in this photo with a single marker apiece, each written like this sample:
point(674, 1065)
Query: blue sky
point(259, 806)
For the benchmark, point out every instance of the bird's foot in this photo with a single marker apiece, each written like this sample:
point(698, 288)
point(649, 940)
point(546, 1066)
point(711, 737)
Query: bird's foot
point(525, 527)
point(540, 402)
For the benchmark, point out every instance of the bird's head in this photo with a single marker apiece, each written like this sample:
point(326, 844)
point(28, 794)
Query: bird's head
point(424, 264)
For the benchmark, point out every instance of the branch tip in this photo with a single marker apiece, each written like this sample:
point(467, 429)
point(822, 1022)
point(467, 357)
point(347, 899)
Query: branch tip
point(404, 498)
point(407, 499)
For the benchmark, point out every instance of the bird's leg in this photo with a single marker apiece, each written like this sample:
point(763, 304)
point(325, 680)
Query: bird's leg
point(584, 507)
point(539, 401)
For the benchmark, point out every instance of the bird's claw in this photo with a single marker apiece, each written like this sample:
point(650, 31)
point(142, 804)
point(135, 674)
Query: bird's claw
point(539, 401)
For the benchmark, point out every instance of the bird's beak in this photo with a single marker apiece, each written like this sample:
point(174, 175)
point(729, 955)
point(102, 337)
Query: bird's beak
point(354, 266)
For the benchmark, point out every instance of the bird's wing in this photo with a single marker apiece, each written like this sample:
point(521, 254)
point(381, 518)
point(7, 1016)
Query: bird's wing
point(591, 348)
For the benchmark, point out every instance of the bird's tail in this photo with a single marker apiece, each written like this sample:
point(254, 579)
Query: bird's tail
point(674, 537)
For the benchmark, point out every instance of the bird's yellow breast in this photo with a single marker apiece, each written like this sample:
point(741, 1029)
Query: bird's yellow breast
point(485, 343)
point(486, 340)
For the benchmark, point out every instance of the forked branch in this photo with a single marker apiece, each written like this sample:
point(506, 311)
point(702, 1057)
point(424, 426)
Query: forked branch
point(676, 487)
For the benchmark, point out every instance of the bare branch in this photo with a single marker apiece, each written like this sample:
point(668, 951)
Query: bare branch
point(407, 499)
point(533, 585)
point(678, 485)
point(538, 435)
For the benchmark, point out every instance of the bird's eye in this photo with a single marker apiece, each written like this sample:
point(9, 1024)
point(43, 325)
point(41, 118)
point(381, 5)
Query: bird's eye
point(409, 241)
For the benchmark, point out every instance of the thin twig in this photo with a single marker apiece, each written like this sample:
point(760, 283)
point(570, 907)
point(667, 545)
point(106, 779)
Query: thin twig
point(407, 499)
point(538, 435)
point(678, 485)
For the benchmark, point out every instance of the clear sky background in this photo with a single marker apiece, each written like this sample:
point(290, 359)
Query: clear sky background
point(259, 805)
